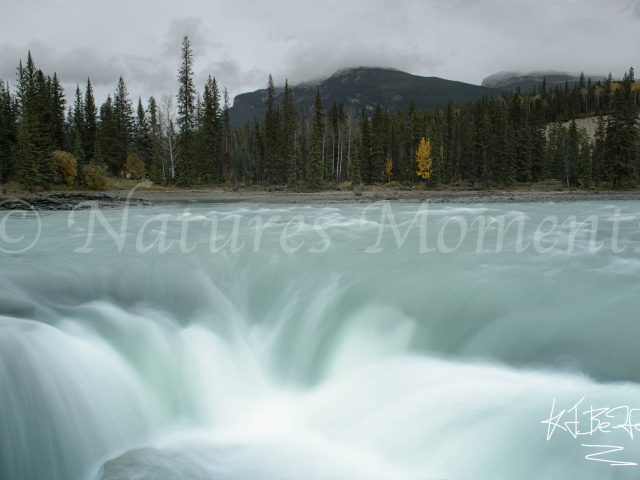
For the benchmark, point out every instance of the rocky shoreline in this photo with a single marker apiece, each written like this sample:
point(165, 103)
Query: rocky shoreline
point(70, 201)
point(113, 199)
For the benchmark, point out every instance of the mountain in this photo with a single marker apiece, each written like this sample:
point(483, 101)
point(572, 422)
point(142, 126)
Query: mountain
point(527, 80)
point(365, 86)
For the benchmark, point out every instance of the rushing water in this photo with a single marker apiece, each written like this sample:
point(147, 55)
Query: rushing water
point(339, 364)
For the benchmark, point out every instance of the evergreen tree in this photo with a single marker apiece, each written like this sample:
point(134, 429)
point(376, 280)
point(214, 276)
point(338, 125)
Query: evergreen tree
point(8, 133)
point(123, 119)
point(186, 116)
point(621, 143)
point(58, 103)
point(378, 137)
point(90, 132)
point(365, 148)
point(290, 127)
point(481, 141)
point(437, 150)
point(356, 177)
point(598, 152)
point(585, 169)
point(109, 137)
point(78, 116)
point(314, 173)
point(518, 120)
point(27, 173)
point(572, 158)
point(211, 132)
point(141, 136)
point(538, 141)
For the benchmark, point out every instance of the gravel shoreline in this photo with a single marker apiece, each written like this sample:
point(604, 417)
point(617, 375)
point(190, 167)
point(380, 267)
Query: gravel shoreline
point(117, 199)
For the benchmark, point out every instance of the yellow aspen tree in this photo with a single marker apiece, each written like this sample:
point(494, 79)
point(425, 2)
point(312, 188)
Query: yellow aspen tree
point(424, 159)
point(388, 166)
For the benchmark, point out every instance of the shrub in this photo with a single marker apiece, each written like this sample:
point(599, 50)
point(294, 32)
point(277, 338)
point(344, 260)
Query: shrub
point(66, 166)
point(95, 176)
point(135, 167)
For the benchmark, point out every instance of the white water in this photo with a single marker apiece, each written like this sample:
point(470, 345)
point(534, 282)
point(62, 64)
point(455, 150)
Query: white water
point(337, 365)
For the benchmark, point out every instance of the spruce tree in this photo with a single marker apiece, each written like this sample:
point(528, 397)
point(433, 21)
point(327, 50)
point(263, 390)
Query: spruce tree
point(123, 119)
point(210, 132)
point(598, 160)
point(538, 141)
point(186, 117)
point(314, 173)
point(378, 137)
point(8, 133)
point(27, 171)
point(365, 147)
point(436, 147)
point(78, 116)
point(290, 125)
point(58, 103)
point(356, 177)
point(572, 158)
point(621, 142)
point(585, 170)
point(518, 120)
point(90, 132)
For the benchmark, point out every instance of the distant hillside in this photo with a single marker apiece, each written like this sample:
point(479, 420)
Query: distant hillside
point(512, 80)
point(366, 87)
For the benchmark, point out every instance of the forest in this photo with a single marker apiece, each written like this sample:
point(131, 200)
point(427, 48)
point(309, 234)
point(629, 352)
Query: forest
point(187, 140)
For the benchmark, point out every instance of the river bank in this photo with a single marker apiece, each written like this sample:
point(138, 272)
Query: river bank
point(146, 197)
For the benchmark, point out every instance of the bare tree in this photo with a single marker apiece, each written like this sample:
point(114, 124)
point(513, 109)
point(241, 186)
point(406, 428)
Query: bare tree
point(168, 134)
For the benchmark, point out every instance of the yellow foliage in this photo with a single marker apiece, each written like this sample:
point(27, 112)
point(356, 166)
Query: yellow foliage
point(388, 166)
point(424, 159)
point(636, 86)
point(66, 166)
point(95, 176)
point(614, 87)
point(135, 166)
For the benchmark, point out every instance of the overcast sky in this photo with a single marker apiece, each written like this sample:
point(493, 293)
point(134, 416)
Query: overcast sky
point(240, 42)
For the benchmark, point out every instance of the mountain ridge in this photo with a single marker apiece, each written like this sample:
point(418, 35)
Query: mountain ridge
point(364, 87)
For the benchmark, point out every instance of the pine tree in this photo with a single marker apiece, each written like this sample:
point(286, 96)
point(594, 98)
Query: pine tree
point(109, 137)
point(314, 173)
point(81, 159)
point(156, 169)
point(356, 176)
point(378, 137)
point(141, 135)
point(90, 132)
point(58, 103)
point(27, 173)
point(585, 169)
point(538, 141)
point(186, 116)
point(210, 132)
point(365, 148)
point(8, 133)
point(598, 160)
point(123, 119)
point(621, 143)
point(78, 116)
point(481, 141)
point(572, 159)
point(437, 149)
point(518, 120)
point(290, 125)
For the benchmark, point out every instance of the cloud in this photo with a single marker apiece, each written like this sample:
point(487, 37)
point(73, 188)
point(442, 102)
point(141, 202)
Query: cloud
point(241, 42)
point(200, 36)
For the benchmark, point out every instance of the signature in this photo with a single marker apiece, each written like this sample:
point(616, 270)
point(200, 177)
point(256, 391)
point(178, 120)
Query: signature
point(598, 420)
